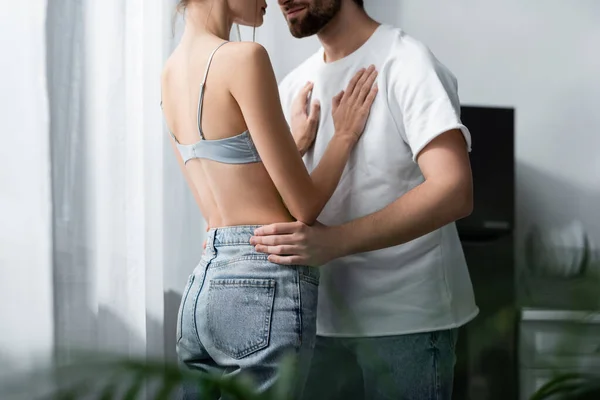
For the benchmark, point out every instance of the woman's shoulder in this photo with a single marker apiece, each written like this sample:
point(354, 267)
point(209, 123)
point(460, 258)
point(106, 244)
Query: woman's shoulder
point(247, 52)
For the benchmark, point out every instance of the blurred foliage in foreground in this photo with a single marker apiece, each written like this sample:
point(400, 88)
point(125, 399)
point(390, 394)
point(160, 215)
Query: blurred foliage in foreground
point(116, 377)
point(107, 377)
point(570, 387)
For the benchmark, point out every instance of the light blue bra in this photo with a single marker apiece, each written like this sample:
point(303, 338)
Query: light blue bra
point(237, 149)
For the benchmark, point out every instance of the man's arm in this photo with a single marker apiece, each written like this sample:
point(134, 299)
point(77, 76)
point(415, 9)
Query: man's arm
point(445, 196)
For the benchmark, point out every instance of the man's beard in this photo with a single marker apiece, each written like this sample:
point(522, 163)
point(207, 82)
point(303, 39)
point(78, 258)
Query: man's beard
point(317, 16)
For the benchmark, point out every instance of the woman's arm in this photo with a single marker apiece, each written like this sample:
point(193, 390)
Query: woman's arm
point(255, 89)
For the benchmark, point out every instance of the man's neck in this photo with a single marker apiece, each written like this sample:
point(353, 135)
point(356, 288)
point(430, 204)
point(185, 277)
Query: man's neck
point(344, 34)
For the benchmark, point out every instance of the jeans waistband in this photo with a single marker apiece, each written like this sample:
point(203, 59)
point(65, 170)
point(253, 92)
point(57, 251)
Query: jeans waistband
point(230, 236)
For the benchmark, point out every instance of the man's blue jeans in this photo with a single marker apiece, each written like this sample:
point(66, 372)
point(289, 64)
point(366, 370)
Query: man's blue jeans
point(404, 367)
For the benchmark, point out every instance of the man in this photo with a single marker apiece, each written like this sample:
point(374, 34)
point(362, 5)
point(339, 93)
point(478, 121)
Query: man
point(394, 283)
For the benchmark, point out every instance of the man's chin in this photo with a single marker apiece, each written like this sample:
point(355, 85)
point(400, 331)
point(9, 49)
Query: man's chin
point(299, 34)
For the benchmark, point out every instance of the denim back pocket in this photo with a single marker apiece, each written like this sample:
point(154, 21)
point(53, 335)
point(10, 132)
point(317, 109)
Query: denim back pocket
point(184, 297)
point(239, 315)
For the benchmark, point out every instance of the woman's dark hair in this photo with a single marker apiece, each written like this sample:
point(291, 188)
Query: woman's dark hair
point(360, 3)
point(181, 6)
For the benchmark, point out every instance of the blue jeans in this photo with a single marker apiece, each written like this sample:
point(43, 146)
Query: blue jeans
point(240, 314)
point(404, 367)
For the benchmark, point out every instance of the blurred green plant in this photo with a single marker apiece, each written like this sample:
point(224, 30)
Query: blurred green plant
point(117, 377)
point(570, 387)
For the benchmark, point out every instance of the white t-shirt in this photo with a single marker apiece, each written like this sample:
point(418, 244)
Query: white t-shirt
point(419, 286)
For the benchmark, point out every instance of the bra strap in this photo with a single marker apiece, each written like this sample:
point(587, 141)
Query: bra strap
point(202, 85)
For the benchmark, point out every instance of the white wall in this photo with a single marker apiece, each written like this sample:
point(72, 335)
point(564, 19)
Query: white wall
point(26, 330)
point(542, 58)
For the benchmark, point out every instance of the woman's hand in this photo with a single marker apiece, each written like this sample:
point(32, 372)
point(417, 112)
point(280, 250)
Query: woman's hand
point(351, 107)
point(304, 125)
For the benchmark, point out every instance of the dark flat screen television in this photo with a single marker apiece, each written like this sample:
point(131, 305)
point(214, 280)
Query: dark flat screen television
point(493, 165)
point(486, 359)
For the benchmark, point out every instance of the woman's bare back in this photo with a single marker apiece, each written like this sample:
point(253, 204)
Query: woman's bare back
point(227, 194)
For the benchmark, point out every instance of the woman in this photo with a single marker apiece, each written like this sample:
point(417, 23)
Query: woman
point(240, 313)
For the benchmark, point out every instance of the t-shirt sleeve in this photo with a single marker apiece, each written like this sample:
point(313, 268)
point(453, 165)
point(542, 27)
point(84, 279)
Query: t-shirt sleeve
point(423, 98)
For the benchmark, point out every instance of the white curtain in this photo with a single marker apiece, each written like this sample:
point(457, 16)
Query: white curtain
point(26, 333)
point(107, 152)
